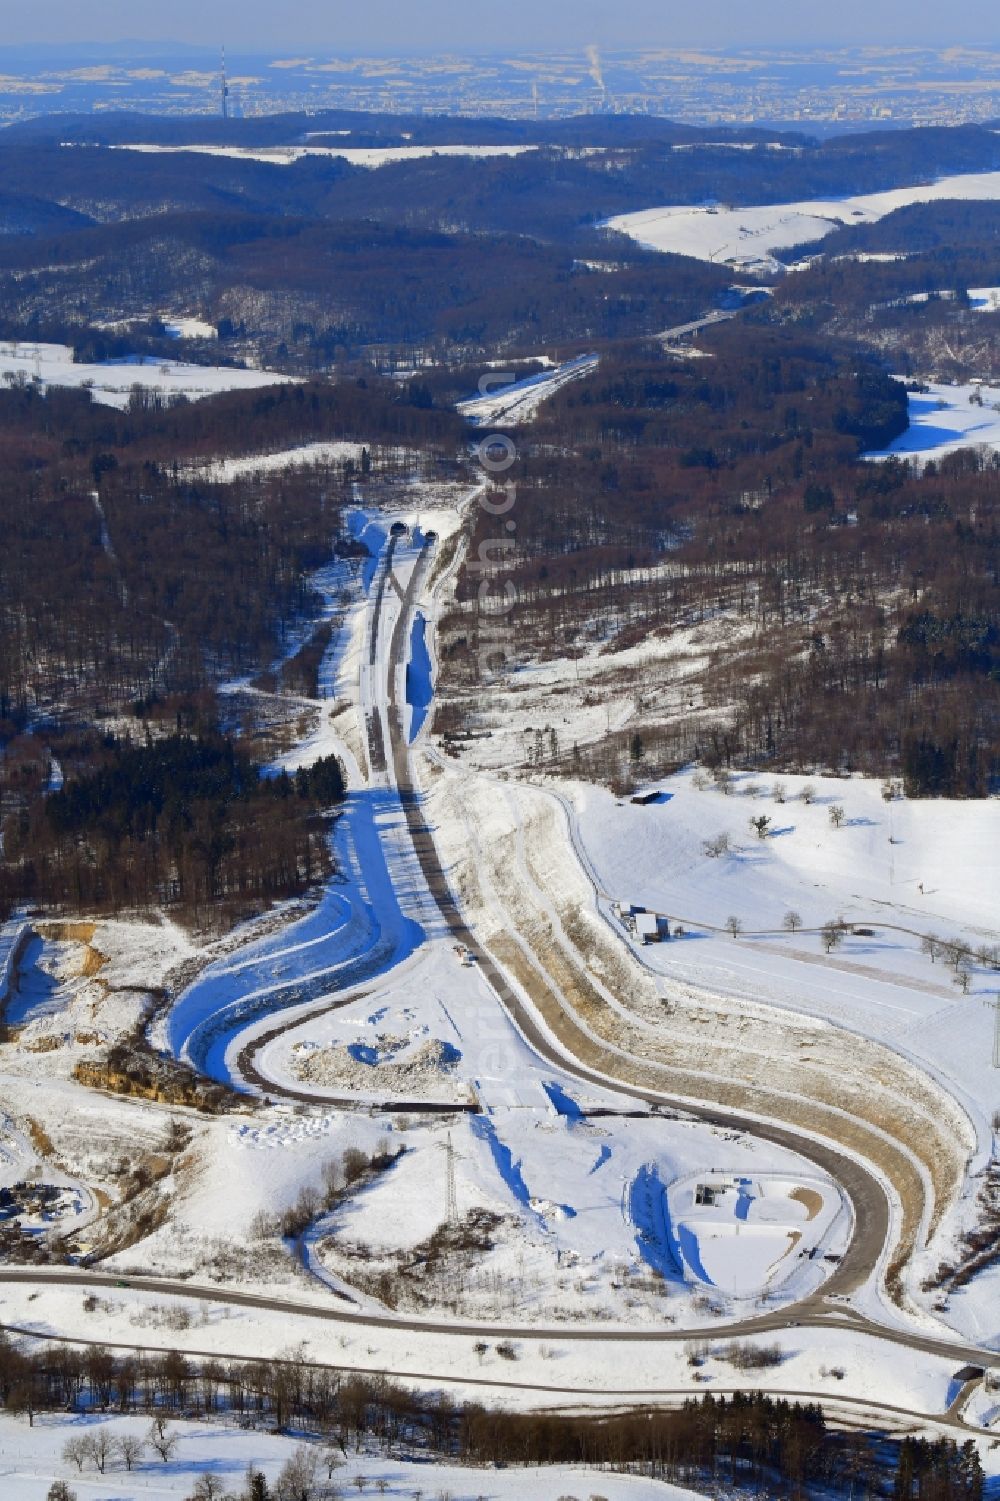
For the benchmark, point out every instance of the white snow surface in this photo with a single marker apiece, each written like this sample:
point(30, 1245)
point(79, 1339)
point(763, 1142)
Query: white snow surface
point(945, 418)
point(750, 235)
point(898, 871)
point(31, 1458)
point(305, 456)
point(111, 384)
point(740, 1233)
point(12, 936)
point(510, 402)
point(358, 156)
point(190, 328)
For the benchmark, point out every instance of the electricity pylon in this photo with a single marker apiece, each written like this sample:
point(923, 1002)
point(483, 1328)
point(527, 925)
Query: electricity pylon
point(995, 1007)
point(451, 1200)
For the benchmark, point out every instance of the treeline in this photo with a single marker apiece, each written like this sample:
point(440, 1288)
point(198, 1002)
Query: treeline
point(61, 425)
point(836, 291)
point(744, 1441)
point(766, 390)
point(321, 261)
point(126, 571)
point(955, 228)
point(182, 822)
point(863, 597)
point(132, 582)
point(915, 309)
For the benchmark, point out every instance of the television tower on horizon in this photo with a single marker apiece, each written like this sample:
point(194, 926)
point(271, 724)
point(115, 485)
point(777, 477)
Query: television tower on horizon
point(225, 86)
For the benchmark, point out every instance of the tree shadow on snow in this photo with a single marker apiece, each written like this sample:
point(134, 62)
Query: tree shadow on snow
point(647, 1209)
point(504, 1161)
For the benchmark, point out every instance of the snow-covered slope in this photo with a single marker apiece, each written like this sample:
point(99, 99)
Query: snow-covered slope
point(31, 1458)
point(750, 235)
point(945, 418)
point(112, 383)
point(357, 156)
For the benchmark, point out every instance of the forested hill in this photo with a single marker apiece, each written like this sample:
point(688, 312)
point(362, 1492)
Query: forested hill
point(553, 190)
point(184, 822)
point(312, 259)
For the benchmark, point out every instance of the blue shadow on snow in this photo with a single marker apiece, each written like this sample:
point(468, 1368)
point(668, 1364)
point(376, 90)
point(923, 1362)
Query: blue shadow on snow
point(419, 684)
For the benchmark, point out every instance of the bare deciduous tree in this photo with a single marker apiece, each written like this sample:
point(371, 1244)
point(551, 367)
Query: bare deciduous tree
point(297, 1480)
point(832, 934)
point(207, 1487)
point(99, 1448)
point(714, 848)
point(76, 1450)
point(161, 1439)
point(957, 952)
point(332, 1460)
point(130, 1448)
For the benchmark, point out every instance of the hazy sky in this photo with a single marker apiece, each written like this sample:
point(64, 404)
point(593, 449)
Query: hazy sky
point(289, 26)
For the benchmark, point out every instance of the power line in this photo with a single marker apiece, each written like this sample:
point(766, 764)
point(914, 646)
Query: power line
point(451, 1199)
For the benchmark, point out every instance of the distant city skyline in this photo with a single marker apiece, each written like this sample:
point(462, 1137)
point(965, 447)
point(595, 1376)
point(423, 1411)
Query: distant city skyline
point(401, 26)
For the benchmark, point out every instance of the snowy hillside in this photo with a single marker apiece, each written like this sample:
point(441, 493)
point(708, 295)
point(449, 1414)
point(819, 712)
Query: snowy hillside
point(31, 1458)
point(112, 383)
point(748, 236)
point(946, 418)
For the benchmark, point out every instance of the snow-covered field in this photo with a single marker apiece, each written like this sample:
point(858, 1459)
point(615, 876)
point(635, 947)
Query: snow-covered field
point(31, 1458)
point(586, 1229)
point(357, 156)
point(749, 236)
point(901, 870)
point(190, 328)
point(112, 383)
point(739, 1232)
point(894, 872)
point(589, 1368)
point(945, 418)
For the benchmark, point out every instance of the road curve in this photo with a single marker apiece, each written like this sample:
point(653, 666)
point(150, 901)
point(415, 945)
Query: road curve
point(773, 1323)
point(868, 1198)
point(869, 1201)
point(639, 1399)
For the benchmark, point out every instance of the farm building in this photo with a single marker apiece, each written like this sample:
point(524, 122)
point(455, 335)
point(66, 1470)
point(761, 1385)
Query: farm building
point(647, 927)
